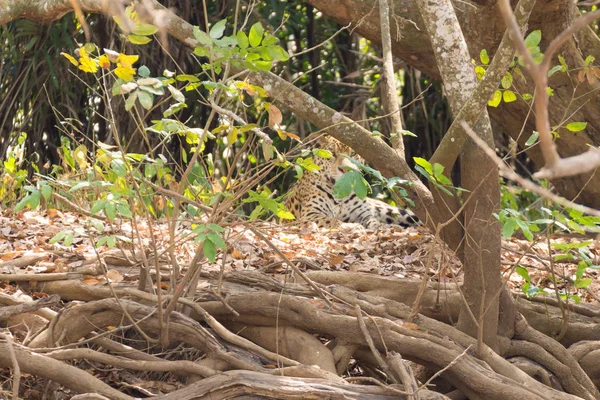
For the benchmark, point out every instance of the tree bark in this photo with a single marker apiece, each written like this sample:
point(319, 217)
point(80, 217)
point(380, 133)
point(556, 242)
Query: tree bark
point(481, 256)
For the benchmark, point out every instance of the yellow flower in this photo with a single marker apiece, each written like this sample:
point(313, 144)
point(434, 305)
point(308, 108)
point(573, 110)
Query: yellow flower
point(125, 72)
point(70, 58)
point(127, 61)
point(87, 64)
point(104, 61)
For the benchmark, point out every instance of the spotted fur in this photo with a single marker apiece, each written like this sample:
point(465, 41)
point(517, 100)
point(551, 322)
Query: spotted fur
point(312, 197)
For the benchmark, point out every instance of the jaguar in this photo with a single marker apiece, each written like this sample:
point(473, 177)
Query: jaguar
point(312, 197)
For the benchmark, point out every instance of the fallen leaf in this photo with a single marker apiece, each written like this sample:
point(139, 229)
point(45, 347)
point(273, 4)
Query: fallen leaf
point(335, 259)
point(114, 276)
point(275, 116)
point(236, 254)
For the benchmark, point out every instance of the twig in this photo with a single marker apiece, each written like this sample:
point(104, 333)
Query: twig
point(180, 367)
point(363, 328)
point(15, 366)
point(441, 371)
point(75, 207)
point(343, 28)
point(240, 120)
point(57, 276)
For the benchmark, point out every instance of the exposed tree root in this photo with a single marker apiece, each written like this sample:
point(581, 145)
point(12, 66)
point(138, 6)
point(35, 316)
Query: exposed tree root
point(279, 329)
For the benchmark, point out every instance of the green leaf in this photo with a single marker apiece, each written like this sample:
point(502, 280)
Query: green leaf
point(269, 40)
point(533, 39)
point(111, 211)
point(217, 30)
point(267, 151)
point(563, 64)
point(144, 29)
point(143, 71)
point(426, 165)
point(98, 206)
point(124, 210)
point(438, 174)
point(438, 169)
point(581, 267)
point(146, 99)
point(527, 96)
point(533, 138)
point(508, 228)
point(46, 191)
point(210, 251)
point(242, 39)
point(263, 65)
point(68, 239)
point(588, 60)
point(483, 56)
point(138, 39)
point(256, 34)
point(507, 81)
point(216, 228)
point(322, 153)
point(217, 240)
point(34, 199)
point(523, 273)
point(508, 96)
point(344, 185)
point(480, 71)
point(496, 99)
point(576, 126)
point(58, 237)
point(201, 51)
point(361, 187)
point(202, 37)
point(554, 69)
point(405, 132)
point(131, 100)
point(583, 283)
point(177, 95)
point(278, 53)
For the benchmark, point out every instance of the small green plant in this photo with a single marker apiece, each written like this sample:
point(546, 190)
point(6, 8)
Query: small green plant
point(435, 174)
point(266, 202)
point(354, 181)
point(13, 175)
point(210, 236)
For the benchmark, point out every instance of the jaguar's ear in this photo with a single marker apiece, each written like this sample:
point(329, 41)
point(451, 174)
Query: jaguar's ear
point(326, 142)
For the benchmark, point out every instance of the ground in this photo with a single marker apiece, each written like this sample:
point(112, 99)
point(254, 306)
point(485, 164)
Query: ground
point(25, 250)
